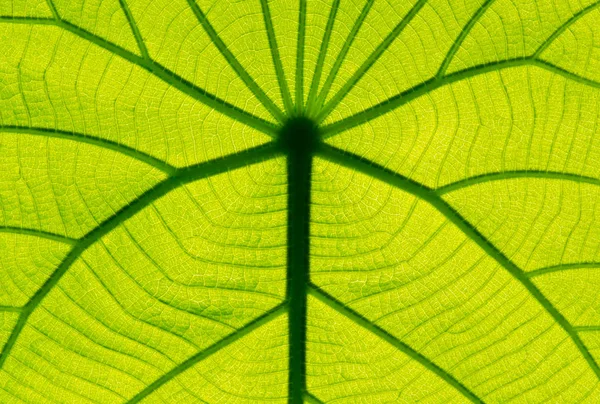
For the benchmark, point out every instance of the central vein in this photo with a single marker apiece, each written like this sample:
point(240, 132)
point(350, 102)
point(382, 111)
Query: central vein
point(299, 138)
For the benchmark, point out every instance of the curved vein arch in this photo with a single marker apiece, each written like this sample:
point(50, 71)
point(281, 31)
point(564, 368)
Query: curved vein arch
point(428, 195)
point(563, 267)
point(38, 233)
point(564, 27)
point(483, 178)
point(181, 177)
point(373, 57)
point(461, 37)
point(158, 71)
point(144, 289)
point(432, 84)
point(333, 303)
point(234, 63)
point(216, 347)
point(95, 141)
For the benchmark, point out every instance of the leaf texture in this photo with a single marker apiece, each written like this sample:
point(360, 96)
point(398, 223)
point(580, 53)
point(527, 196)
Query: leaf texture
point(303, 201)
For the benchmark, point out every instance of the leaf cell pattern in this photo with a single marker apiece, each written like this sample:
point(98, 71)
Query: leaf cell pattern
point(299, 201)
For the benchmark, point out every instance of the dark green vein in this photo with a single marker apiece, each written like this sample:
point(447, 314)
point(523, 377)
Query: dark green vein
point(390, 339)
point(135, 30)
point(11, 309)
point(412, 93)
point(28, 20)
point(461, 37)
point(434, 83)
point(563, 267)
point(283, 87)
point(343, 52)
point(428, 195)
point(300, 58)
point(566, 74)
point(235, 64)
point(321, 59)
point(373, 57)
point(483, 178)
point(160, 72)
point(96, 141)
point(297, 139)
point(216, 347)
point(181, 177)
point(38, 233)
point(564, 27)
point(309, 398)
point(584, 328)
point(53, 10)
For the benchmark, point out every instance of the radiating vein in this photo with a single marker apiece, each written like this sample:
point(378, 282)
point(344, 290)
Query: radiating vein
point(343, 52)
point(490, 177)
point(181, 177)
point(564, 27)
point(134, 29)
point(432, 84)
point(160, 72)
point(182, 367)
point(38, 233)
point(283, 87)
point(96, 141)
point(390, 339)
point(373, 57)
point(300, 57)
point(461, 37)
point(322, 53)
point(563, 267)
point(234, 63)
point(428, 195)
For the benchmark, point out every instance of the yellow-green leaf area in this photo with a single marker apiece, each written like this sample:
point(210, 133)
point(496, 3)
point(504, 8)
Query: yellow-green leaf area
point(299, 201)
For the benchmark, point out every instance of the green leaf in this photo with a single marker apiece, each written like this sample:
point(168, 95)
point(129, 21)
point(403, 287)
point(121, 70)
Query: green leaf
point(349, 201)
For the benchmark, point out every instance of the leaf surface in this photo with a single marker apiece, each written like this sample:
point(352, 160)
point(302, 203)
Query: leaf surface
point(299, 201)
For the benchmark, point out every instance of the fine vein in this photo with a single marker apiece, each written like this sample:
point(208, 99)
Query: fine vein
point(432, 84)
point(563, 267)
point(38, 233)
point(234, 63)
point(96, 141)
point(300, 58)
point(322, 53)
point(490, 177)
point(158, 71)
point(386, 336)
point(283, 87)
point(135, 29)
point(564, 27)
point(461, 37)
point(362, 70)
point(428, 195)
point(181, 177)
point(216, 347)
point(343, 52)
